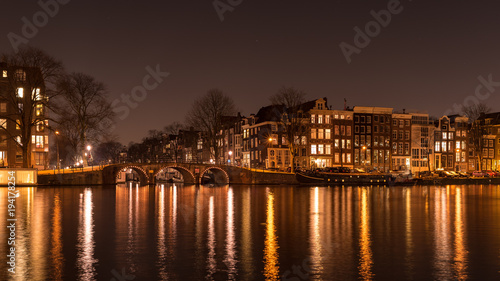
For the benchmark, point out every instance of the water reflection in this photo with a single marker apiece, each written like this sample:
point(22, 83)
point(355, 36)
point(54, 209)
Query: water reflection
point(460, 260)
point(442, 237)
point(56, 256)
point(316, 240)
point(230, 259)
point(86, 260)
point(246, 236)
point(271, 263)
point(254, 233)
point(161, 243)
point(409, 260)
point(211, 261)
point(365, 255)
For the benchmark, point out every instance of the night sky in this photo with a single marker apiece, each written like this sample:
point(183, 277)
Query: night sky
point(427, 58)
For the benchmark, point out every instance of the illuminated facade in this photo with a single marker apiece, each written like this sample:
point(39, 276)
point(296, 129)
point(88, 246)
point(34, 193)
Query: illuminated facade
point(401, 142)
point(451, 144)
point(422, 143)
point(22, 92)
point(372, 138)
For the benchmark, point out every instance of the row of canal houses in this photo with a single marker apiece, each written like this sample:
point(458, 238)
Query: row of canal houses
point(368, 138)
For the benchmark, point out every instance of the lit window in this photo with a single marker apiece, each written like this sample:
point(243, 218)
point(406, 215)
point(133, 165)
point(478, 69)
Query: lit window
point(17, 124)
point(39, 110)
point(328, 149)
point(36, 94)
point(313, 149)
point(327, 134)
point(320, 133)
point(320, 119)
point(20, 92)
point(4, 73)
point(3, 123)
point(39, 141)
point(321, 149)
point(313, 117)
point(20, 75)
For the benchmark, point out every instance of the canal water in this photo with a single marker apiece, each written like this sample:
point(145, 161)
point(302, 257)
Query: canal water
point(176, 232)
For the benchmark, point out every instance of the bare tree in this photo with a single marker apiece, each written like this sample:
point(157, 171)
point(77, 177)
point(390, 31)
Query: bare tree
point(477, 130)
point(172, 130)
point(30, 87)
point(84, 105)
point(207, 115)
point(109, 151)
point(293, 121)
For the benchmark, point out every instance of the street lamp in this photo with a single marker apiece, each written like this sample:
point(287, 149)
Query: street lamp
point(89, 155)
point(457, 159)
point(57, 150)
point(230, 158)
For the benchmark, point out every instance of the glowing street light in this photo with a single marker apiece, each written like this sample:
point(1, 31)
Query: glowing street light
point(89, 156)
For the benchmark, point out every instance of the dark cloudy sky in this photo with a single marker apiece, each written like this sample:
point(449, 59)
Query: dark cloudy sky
point(428, 58)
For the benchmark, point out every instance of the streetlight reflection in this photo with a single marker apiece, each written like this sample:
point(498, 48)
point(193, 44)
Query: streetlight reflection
point(271, 263)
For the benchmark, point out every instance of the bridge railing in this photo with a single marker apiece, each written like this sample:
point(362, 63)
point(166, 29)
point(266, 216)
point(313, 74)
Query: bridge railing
point(71, 170)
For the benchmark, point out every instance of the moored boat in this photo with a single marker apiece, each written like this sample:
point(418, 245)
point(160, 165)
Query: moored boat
point(341, 178)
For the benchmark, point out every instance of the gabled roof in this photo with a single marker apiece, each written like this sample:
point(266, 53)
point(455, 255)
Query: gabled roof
point(269, 113)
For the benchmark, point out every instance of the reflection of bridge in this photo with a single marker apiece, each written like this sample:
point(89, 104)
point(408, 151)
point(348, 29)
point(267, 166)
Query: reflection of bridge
point(191, 173)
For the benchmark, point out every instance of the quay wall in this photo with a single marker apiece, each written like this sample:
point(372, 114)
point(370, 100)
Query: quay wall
point(236, 176)
point(82, 178)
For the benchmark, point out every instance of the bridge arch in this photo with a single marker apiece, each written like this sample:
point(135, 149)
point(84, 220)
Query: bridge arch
point(143, 176)
point(187, 175)
point(220, 175)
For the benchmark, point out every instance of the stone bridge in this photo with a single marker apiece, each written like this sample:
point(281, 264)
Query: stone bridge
point(191, 173)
